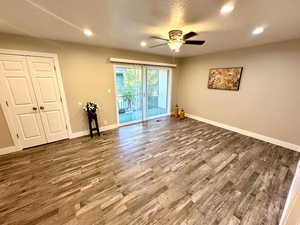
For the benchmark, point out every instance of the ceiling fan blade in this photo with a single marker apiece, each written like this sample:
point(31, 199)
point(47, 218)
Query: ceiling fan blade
point(153, 46)
point(189, 35)
point(155, 37)
point(194, 42)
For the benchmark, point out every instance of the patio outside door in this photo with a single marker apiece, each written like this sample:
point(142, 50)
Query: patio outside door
point(157, 91)
point(129, 87)
point(142, 92)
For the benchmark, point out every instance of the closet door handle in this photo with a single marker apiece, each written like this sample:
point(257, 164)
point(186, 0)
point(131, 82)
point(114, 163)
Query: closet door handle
point(42, 107)
point(34, 108)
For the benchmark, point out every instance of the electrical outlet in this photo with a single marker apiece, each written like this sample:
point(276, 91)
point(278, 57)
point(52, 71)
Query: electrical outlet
point(109, 91)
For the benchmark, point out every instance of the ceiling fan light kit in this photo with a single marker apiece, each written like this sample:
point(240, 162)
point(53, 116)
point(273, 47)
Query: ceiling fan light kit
point(177, 39)
point(175, 35)
point(175, 45)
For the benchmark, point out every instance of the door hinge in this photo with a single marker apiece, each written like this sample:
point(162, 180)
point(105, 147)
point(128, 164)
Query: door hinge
point(54, 68)
point(7, 103)
point(66, 127)
point(61, 99)
point(17, 135)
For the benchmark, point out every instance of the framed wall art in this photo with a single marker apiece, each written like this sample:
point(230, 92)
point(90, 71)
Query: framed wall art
point(225, 78)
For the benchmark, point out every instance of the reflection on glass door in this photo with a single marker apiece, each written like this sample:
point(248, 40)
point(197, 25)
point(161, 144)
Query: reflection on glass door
point(142, 92)
point(157, 88)
point(129, 93)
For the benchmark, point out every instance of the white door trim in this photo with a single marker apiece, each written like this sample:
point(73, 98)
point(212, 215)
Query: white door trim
point(11, 124)
point(27, 53)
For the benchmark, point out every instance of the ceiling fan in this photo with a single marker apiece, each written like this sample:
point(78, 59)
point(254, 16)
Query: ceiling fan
point(177, 39)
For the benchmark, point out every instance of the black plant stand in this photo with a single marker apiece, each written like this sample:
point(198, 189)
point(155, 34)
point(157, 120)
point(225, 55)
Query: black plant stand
point(93, 117)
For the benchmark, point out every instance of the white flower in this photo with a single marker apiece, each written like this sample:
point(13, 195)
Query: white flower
point(91, 106)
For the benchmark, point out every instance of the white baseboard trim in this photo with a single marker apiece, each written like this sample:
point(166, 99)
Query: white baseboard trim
point(248, 133)
point(9, 149)
point(87, 132)
point(79, 134)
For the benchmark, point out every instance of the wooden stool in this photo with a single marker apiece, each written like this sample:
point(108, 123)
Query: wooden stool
point(93, 117)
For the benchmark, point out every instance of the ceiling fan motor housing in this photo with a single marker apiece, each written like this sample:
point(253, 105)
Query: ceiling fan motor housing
point(175, 35)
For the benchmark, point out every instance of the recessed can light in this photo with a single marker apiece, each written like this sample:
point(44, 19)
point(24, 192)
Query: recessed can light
point(88, 32)
point(228, 8)
point(258, 30)
point(143, 43)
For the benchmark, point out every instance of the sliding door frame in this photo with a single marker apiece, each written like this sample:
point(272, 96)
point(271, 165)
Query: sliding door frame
point(132, 66)
point(144, 102)
point(169, 91)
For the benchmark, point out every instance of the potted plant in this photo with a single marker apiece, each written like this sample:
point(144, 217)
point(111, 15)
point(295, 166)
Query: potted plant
point(91, 107)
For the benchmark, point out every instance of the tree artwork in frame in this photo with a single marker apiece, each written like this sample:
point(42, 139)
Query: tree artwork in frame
point(225, 78)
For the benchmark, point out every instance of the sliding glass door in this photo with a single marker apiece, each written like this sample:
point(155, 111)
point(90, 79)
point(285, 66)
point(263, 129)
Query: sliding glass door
point(129, 85)
point(157, 89)
point(142, 92)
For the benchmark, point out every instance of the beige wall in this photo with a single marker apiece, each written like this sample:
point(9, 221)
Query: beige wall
point(268, 102)
point(87, 75)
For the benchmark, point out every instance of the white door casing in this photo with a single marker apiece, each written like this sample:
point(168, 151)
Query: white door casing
point(45, 84)
point(21, 99)
point(6, 99)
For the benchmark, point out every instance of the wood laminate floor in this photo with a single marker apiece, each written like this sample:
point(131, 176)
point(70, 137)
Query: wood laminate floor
point(162, 173)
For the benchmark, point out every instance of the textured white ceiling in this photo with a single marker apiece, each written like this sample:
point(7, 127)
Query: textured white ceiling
point(125, 23)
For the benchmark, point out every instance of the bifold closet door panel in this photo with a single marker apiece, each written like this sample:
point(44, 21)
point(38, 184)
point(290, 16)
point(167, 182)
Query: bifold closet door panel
point(21, 100)
point(48, 95)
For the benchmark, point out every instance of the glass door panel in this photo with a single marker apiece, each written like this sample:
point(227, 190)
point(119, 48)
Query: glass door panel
point(157, 91)
point(129, 84)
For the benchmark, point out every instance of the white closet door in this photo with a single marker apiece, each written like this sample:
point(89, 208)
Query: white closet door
point(22, 102)
point(46, 88)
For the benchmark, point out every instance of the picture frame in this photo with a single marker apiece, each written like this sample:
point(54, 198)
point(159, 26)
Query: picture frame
point(225, 78)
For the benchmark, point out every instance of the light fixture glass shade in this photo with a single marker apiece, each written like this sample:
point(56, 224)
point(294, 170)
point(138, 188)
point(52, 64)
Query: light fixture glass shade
point(227, 8)
point(88, 32)
point(258, 30)
point(175, 45)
